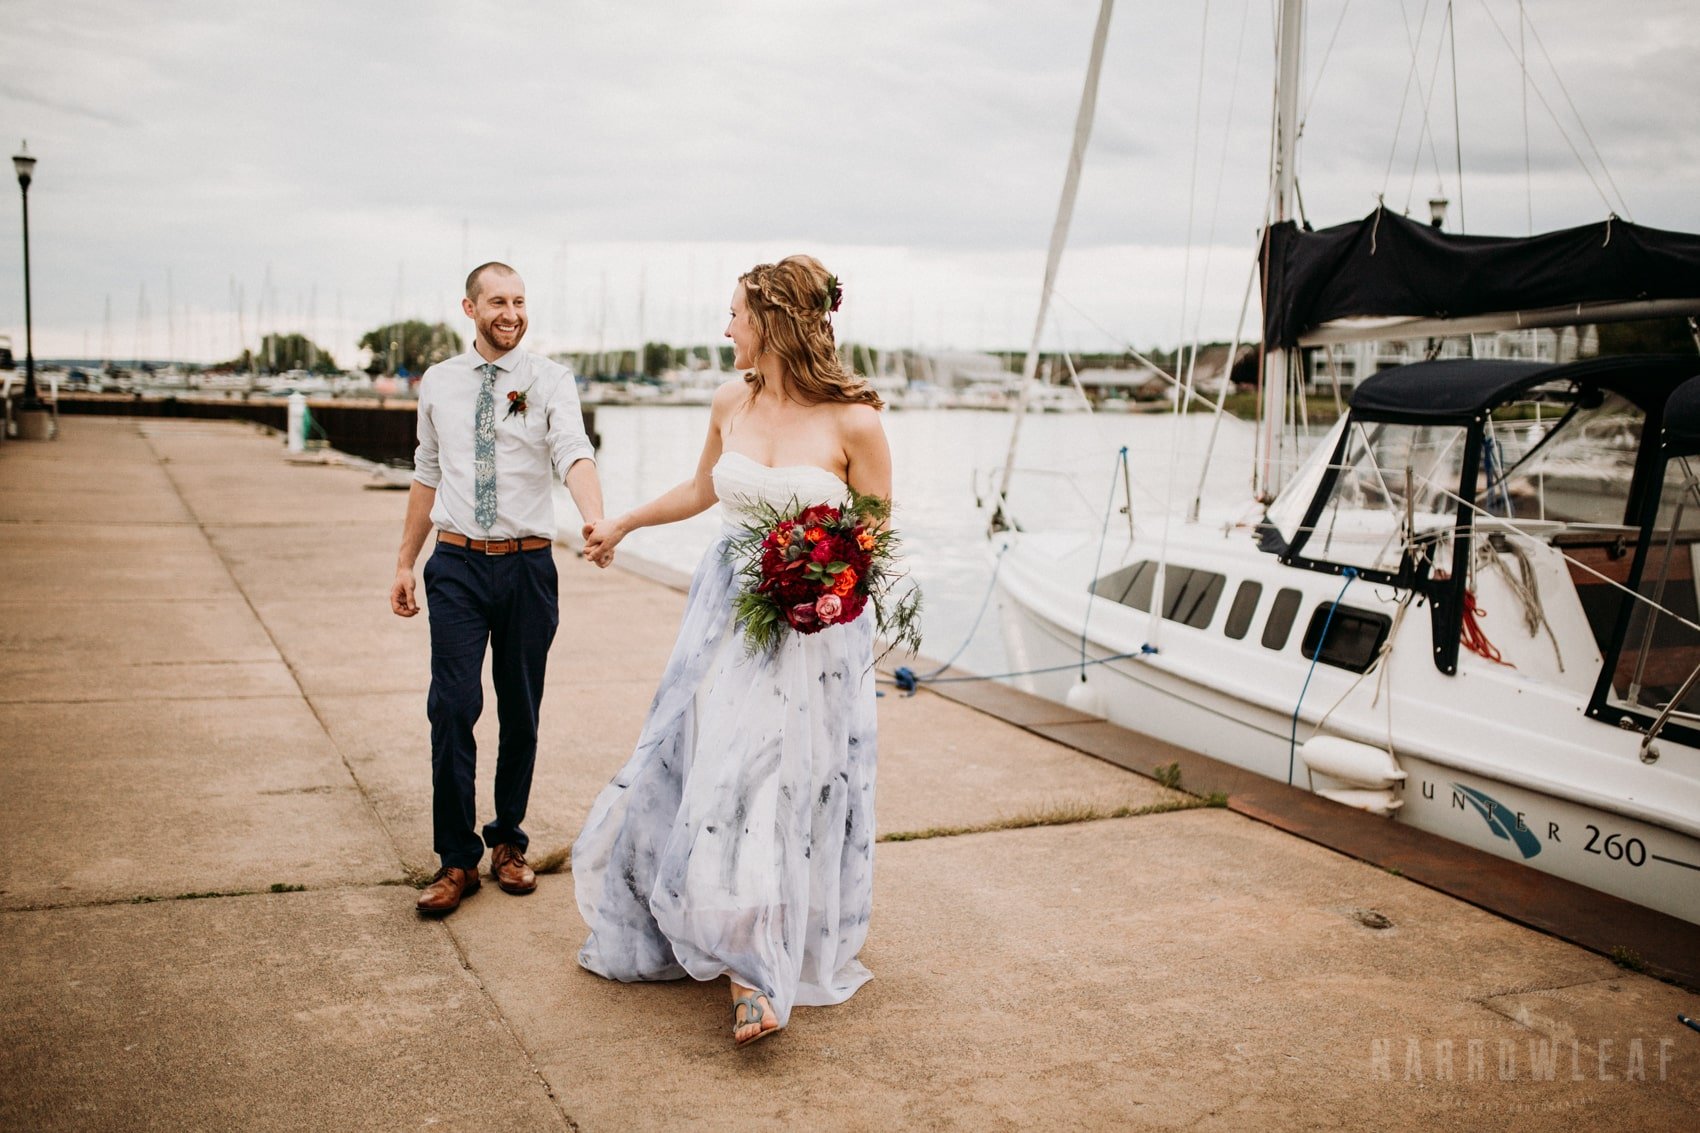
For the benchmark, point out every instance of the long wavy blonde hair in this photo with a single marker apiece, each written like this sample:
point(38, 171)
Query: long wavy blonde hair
point(790, 305)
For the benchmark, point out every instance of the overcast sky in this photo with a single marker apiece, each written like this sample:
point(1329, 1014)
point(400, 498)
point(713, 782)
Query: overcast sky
point(215, 168)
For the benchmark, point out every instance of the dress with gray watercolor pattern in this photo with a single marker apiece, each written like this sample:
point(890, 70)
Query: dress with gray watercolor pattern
point(738, 839)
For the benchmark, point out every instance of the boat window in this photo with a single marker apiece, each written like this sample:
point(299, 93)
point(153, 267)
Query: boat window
point(1544, 460)
point(1389, 475)
point(1245, 605)
point(1661, 649)
point(1354, 636)
point(1131, 585)
point(1282, 611)
point(1189, 595)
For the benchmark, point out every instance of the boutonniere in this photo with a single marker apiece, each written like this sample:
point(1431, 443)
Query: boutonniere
point(516, 401)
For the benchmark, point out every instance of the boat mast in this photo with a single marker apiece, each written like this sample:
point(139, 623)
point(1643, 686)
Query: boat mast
point(1288, 47)
point(1059, 238)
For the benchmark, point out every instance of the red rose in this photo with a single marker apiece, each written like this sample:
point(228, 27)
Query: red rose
point(824, 552)
point(801, 616)
point(817, 515)
point(828, 607)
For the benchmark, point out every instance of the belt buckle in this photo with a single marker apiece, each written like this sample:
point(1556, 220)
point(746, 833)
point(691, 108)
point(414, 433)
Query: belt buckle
point(498, 546)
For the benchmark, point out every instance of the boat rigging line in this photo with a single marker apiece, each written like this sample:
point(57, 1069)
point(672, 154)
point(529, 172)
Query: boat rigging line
point(908, 680)
point(1059, 238)
point(1622, 206)
point(1457, 127)
point(1404, 95)
point(1425, 98)
point(1098, 561)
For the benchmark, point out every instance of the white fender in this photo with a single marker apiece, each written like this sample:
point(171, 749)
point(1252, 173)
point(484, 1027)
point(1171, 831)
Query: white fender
point(1376, 802)
point(1351, 762)
point(1084, 696)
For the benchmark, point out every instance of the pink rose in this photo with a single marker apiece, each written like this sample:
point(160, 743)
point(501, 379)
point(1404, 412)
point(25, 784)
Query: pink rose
point(828, 607)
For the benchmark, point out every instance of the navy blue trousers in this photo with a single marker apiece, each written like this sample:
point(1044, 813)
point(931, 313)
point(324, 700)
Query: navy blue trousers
point(510, 604)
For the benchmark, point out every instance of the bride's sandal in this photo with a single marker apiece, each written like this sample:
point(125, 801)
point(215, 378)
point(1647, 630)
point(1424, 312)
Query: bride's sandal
point(755, 1015)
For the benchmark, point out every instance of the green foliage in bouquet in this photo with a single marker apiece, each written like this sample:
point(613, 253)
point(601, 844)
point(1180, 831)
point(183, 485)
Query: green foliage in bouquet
point(806, 568)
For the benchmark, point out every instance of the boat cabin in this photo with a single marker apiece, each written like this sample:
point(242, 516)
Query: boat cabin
point(1442, 469)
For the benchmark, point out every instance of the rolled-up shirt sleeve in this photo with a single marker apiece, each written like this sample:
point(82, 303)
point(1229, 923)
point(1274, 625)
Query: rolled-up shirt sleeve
point(426, 468)
point(568, 442)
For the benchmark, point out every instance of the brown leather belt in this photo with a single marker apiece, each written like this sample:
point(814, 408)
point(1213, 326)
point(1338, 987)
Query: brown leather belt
point(493, 546)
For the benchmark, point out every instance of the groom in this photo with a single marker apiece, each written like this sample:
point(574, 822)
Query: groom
point(497, 426)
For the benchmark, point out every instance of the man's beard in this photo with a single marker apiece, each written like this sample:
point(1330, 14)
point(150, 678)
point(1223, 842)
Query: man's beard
point(487, 330)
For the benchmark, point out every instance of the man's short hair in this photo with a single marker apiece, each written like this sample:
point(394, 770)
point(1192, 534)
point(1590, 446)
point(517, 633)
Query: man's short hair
point(474, 282)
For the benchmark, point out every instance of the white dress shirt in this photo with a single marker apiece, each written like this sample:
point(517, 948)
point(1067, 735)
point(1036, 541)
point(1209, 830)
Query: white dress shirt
point(534, 449)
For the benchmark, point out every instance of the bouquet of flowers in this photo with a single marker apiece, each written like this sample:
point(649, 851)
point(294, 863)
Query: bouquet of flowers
point(809, 568)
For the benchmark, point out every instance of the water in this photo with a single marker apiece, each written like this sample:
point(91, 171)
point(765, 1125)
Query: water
point(943, 463)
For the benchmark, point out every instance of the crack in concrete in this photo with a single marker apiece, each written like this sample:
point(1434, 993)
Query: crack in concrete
point(371, 804)
point(1067, 816)
point(160, 697)
point(126, 523)
point(295, 675)
point(209, 895)
point(507, 1024)
point(1521, 989)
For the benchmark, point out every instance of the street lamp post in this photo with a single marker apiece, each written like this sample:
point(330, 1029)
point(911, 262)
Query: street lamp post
point(25, 165)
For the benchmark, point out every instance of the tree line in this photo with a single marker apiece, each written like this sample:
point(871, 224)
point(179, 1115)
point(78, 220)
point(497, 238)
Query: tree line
point(411, 346)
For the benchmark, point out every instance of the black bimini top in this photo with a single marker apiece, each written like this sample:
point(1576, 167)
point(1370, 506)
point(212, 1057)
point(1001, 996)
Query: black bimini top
point(1458, 390)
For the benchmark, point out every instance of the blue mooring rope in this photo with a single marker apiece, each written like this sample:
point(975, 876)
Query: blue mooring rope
point(984, 602)
point(908, 680)
point(1351, 575)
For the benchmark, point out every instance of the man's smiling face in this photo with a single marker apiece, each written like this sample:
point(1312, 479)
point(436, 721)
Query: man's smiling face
point(498, 310)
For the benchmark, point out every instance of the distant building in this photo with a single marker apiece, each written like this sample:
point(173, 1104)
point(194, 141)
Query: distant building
point(1135, 383)
point(958, 369)
point(1349, 363)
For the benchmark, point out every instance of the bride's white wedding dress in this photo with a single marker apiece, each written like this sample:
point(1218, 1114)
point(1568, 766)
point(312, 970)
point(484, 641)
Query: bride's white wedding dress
point(739, 838)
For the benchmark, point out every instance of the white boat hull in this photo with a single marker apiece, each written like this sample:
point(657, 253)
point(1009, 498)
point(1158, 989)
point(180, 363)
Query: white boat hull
point(1234, 702)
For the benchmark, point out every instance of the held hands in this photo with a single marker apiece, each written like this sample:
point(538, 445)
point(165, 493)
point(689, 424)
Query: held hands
point(401, 594)
point(600, 538)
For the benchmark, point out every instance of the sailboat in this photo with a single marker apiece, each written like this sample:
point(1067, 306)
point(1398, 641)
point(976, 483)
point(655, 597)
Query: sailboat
point(1475, 608)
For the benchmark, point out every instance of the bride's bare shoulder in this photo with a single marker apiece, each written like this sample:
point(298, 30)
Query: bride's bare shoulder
point(729, 398)
point(730, 394)
point(858, 419)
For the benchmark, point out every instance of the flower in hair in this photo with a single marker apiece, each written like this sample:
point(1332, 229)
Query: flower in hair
point(834, 294)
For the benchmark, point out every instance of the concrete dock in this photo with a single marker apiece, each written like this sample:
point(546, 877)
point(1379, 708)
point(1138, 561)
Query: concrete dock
point(215, 767)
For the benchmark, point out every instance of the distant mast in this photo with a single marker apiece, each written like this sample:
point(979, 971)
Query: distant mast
point(1271, 432)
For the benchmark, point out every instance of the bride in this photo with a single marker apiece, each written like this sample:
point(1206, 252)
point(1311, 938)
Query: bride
point(738, 839)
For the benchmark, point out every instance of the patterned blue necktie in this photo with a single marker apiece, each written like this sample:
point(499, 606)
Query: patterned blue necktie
point(484, 451)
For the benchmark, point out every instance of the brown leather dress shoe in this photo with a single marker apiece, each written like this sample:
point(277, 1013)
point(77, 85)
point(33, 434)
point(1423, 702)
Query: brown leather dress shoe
point(507, 866)
point(446, 890)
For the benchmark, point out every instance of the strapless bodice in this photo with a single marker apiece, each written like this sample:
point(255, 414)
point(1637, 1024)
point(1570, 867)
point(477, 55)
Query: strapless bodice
point(740, 480)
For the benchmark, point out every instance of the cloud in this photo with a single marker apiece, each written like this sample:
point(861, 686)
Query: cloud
point(358, 156)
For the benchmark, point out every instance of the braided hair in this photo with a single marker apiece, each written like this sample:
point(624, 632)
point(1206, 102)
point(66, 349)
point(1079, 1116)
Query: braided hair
point(790, 304)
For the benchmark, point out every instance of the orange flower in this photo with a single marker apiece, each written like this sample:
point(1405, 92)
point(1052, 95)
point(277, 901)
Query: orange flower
point(845, 582)
point(815, 534)
point(865, 540)
point(783, 537)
